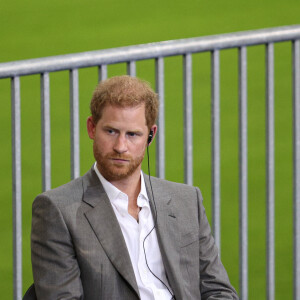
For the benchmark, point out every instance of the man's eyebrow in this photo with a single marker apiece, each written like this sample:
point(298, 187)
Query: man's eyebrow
point(137, 131)
point(106, 127)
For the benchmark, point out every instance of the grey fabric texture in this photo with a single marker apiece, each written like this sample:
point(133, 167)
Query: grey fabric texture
point(78, 250)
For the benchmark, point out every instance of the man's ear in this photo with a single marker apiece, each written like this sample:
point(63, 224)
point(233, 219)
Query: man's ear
point(153, 131)
point(91, 127)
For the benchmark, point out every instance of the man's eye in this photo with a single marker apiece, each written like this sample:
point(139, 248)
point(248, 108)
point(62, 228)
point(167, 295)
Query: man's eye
point(131, 134)
point(110, 131)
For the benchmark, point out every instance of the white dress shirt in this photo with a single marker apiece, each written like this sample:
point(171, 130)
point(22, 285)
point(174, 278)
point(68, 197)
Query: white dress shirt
point(134, 234)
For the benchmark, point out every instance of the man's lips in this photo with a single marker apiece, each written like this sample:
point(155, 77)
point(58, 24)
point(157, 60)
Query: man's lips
point(119, 160)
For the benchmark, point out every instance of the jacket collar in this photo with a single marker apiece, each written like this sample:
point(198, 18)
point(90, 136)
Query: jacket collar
point(110, 237)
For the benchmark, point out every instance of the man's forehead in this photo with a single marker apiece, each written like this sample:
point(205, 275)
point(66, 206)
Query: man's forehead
point(132, 115)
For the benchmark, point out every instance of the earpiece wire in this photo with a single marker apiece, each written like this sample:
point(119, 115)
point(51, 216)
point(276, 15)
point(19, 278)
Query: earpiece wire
point(155, 222)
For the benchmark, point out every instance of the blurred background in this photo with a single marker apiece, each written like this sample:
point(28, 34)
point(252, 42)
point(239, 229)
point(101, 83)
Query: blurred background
point(32, 29)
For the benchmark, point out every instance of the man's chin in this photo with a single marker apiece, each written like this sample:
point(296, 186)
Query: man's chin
point(116, 173)
point(116, 176)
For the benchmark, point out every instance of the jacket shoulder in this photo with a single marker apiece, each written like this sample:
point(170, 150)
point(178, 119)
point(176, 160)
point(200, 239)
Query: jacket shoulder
point(69, 192)
point(174, 187)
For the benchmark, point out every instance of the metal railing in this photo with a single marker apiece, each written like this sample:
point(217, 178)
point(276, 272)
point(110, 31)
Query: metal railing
point(157, 51)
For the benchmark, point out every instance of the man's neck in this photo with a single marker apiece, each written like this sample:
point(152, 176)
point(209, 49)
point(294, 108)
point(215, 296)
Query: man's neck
point(131, 186)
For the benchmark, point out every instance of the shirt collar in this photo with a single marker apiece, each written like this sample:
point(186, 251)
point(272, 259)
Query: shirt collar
point(113, 193)
point(143, 191)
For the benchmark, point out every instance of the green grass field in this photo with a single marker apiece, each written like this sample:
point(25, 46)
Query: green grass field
point(31, 29)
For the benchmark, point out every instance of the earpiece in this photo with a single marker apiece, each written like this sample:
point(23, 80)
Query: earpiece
point(150, 137)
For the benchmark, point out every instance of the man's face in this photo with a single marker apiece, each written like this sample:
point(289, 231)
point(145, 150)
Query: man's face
point(120, 139)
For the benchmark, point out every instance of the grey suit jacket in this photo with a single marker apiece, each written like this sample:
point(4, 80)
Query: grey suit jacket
point(78, 250)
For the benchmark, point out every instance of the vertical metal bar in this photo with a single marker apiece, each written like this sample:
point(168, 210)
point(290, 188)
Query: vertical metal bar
point(215, 116)
point(243, 173)
point(102, 72)
point(17, 193)
point(160, 138)
point(74, 111)
point(296, 154)
point(46, 139)
point(270, 167)
point(188, 119)
point(131, 68)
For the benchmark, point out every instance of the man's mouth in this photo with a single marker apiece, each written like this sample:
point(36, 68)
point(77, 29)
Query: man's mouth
point(119, 160)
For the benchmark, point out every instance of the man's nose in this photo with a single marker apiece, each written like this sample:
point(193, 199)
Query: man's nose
point(120, 145)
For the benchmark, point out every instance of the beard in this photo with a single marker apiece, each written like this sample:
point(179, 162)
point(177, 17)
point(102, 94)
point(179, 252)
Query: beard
point(112, 170)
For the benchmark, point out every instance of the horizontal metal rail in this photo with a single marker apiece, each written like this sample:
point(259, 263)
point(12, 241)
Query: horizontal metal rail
point(148, 51)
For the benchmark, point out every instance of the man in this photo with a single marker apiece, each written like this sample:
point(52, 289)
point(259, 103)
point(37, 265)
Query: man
point(114, 233)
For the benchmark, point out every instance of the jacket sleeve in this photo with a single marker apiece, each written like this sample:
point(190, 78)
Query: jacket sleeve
point(55, 269)
point(214, 281)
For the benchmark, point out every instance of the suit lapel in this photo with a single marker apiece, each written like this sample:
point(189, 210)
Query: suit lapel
point(168, 232)
point(104, 223)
